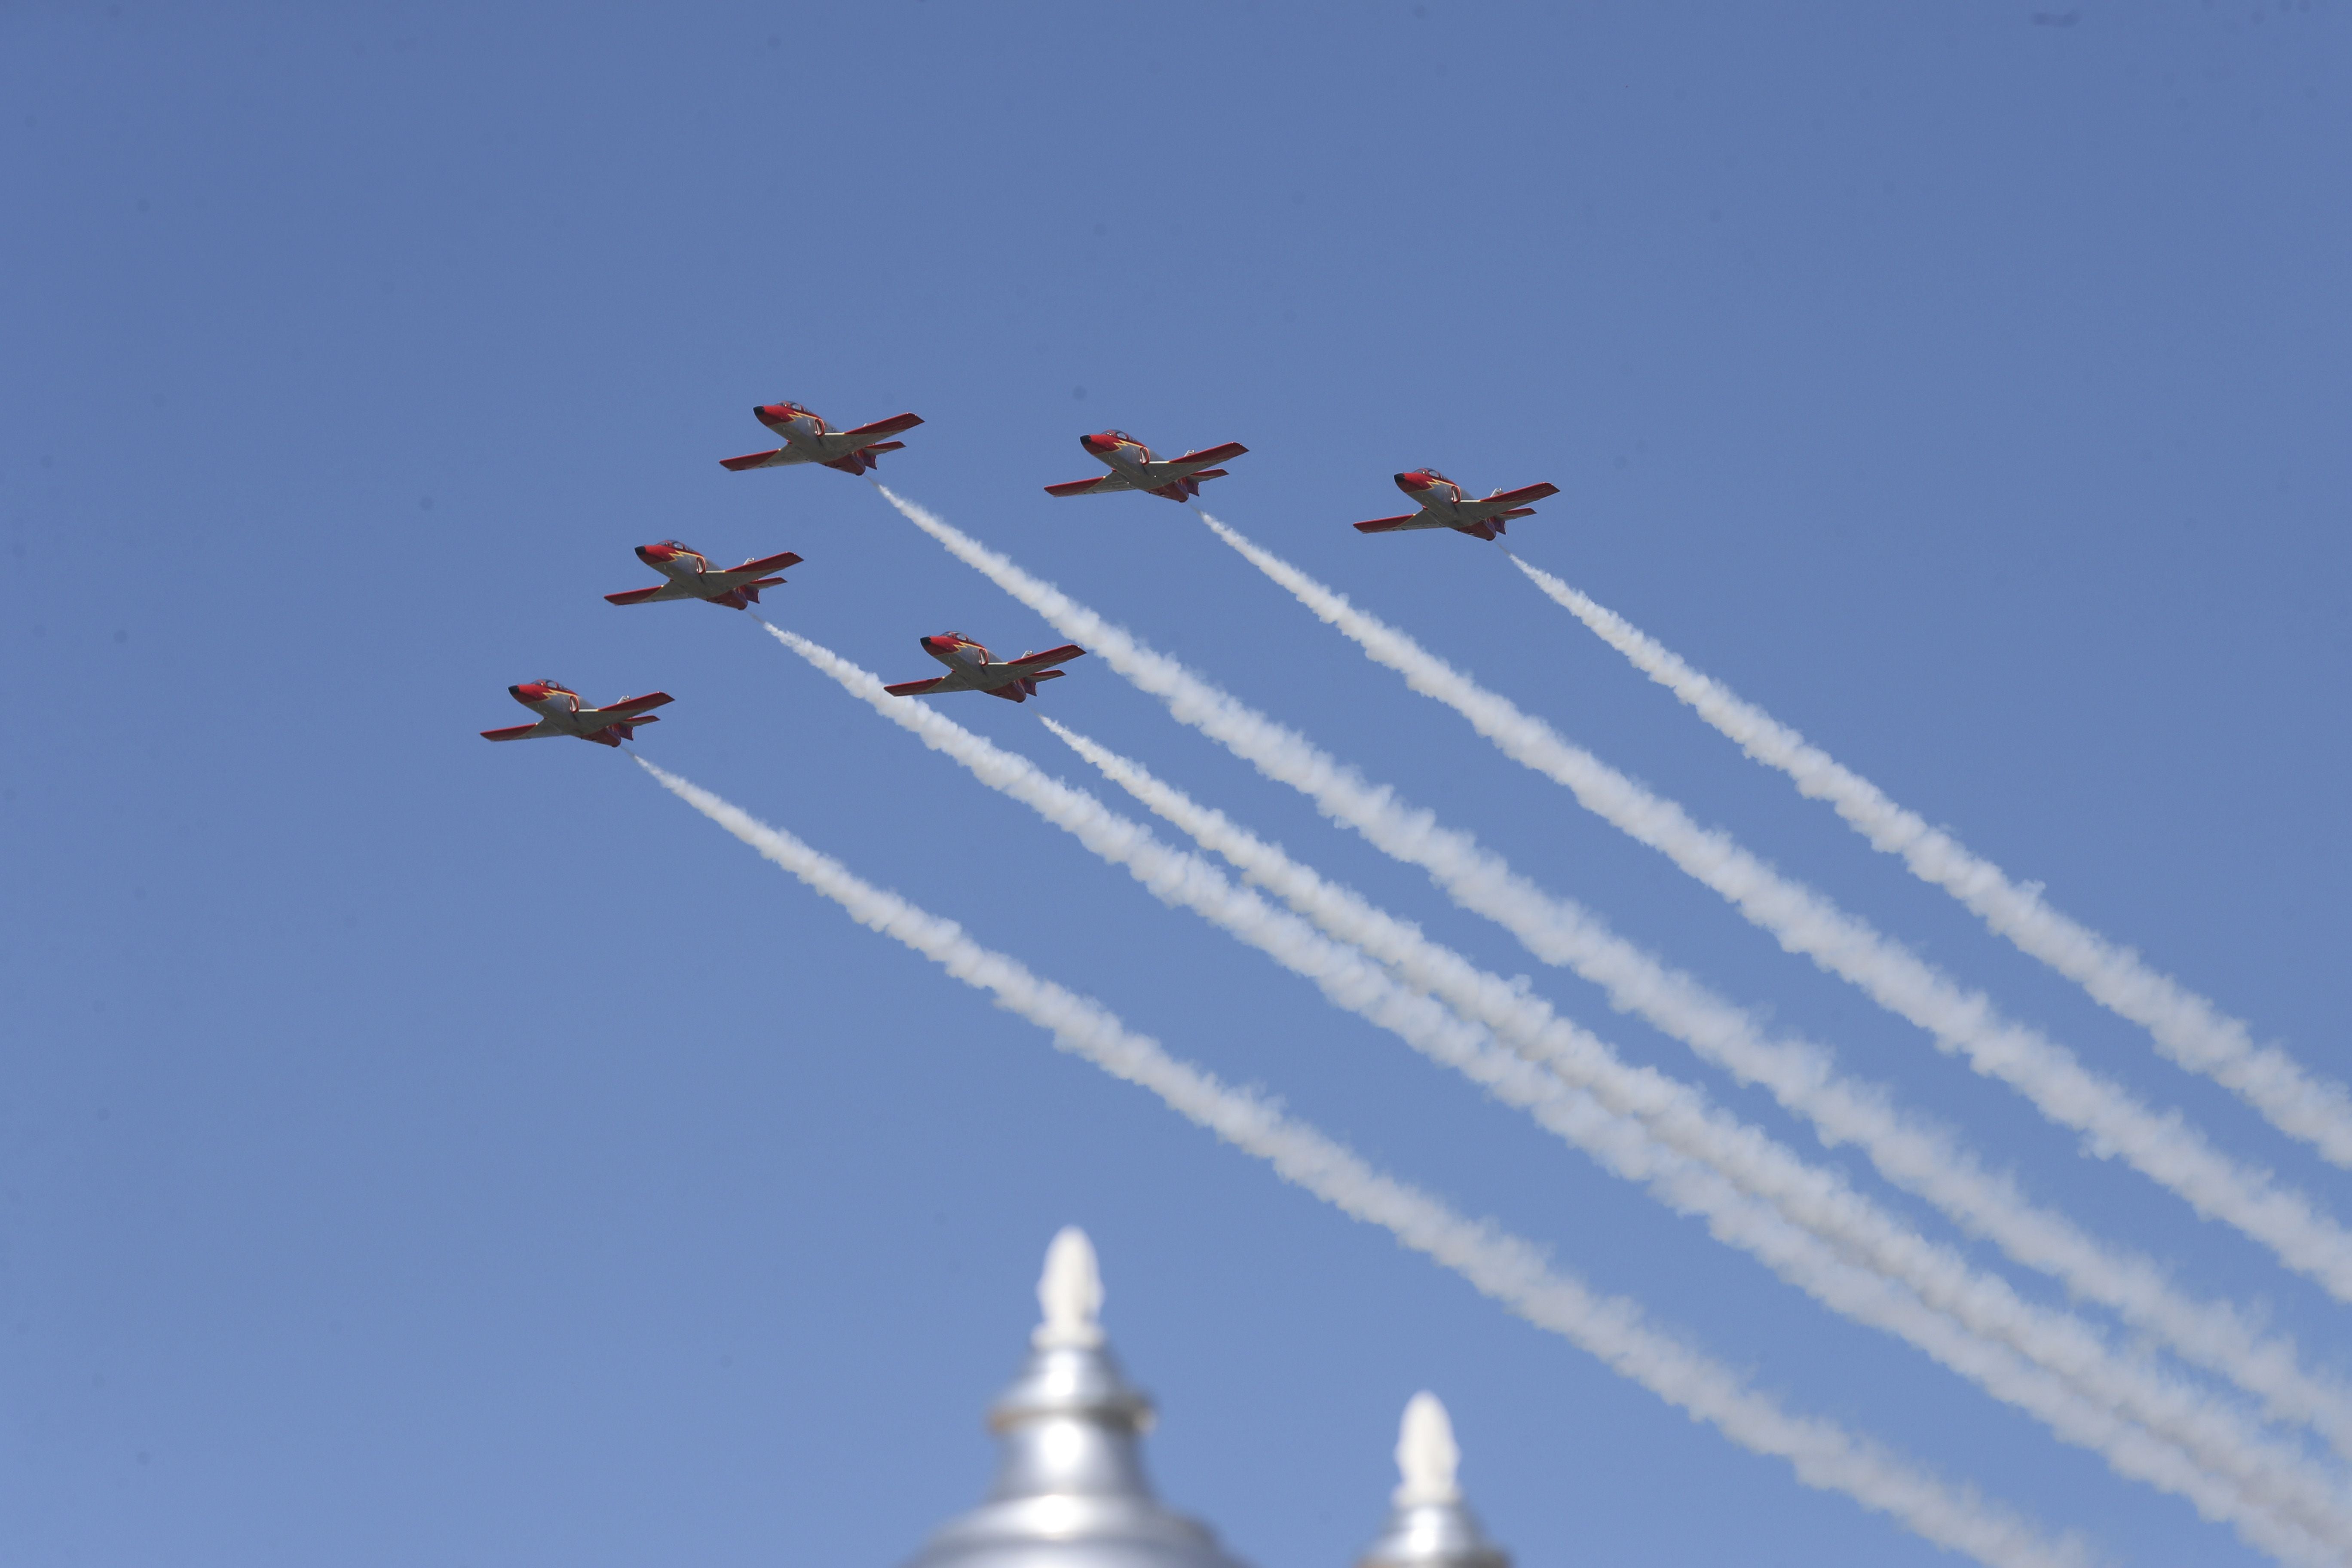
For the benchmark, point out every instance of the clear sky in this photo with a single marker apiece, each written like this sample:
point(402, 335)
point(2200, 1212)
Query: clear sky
point(413, 1151)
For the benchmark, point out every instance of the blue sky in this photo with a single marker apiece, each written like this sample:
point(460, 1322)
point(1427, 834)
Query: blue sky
point(414, 1152)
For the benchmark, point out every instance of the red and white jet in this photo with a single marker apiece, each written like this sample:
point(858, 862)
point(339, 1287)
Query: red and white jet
point(690, 577)
point(977, 669)
point(1442, 505)
point(560, 713)
point(1133, 468)
point(809, 440)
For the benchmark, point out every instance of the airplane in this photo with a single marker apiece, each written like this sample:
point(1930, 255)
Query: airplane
point(809, 440)
point(977, 669)
point(690, 577)
point(561, 714)
point(1133, 468)
point(1442, 505)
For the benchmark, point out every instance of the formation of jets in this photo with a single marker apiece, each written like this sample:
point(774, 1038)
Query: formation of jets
point(688, 573)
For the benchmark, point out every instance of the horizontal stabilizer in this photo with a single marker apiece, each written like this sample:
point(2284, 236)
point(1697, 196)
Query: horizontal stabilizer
point(752, 460)
point(1010, 691)
point(636, 595)
point(1047, 675)
point(1520, 511)
point(1386, 524)
point(1208, 474)
point(514, 732)
point(891, 426)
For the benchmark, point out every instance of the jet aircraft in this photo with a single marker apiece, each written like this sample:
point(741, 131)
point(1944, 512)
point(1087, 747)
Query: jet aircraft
point(1442, 505)
point(559, 712)
point(690, 577)
point(1133, 468)
point(809, 440)
point(977, 669)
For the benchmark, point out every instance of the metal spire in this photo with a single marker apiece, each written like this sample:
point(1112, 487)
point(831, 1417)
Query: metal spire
point(1429, 1524)
point(1070, 1490)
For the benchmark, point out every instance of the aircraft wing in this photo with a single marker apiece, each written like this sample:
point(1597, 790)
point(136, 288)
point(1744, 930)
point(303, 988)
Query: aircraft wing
point(921, 687)
point(622, 712)
point(889, 426)
point(1029, 663)
point(1501, 505)
point(776, 460)
point(736, 576)
point(669, 590)
point(1100, 486)
point(1399, 524)
point(519, 732)
point(1192, 462)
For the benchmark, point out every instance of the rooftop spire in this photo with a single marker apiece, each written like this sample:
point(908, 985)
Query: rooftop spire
point(1070, 1294)
point(1070, 1490)
point(1429, 1525)
point(1427, 1458)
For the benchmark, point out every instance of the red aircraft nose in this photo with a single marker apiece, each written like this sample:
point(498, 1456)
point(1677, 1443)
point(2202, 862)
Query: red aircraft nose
point(940, 645)
point(1414, 479)
point(529, 692)
point(1099, 443)
point(649, 554)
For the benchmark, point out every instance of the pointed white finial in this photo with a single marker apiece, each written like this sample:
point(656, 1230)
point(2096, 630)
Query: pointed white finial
point(1426, 1455)
point(1071, 1294)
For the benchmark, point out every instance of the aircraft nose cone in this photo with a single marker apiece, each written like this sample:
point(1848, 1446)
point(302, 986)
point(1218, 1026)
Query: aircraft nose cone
point(1096, 442)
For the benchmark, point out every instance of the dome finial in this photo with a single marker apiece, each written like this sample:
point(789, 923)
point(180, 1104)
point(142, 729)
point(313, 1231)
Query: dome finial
point(1426, 1455)
point(1429, 1524)
point(1070, 1294)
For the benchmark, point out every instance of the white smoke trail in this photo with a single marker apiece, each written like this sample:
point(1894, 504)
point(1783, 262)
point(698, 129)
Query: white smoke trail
point(1680, 1118)
point(2188, 1028)
point(2080, 1392)
point(1801, 1076)
point(1500, 1265)
point(2112, 1120)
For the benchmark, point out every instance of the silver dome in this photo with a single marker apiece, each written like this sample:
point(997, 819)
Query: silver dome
point(1070, 1490)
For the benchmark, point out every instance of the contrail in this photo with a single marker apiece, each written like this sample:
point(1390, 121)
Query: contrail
point(2111, 1119)
point(1678, 1116)
point(1801, 1076)
point(1502, 1266)
point(2079, 1391)
point(2188, 1028)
